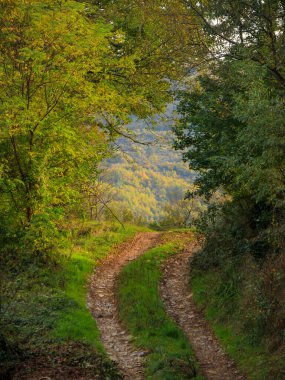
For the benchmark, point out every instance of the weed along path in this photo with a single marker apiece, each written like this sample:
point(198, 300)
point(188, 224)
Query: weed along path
point(177, 297)
point(102, 301)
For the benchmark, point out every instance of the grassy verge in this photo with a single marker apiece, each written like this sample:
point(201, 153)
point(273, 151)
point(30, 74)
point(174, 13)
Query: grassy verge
point(43, 306)
point(227, 320)
point(142, 311)
point(76, 322)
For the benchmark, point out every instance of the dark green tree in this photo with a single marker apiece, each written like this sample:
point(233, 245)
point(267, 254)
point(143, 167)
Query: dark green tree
point(233, 115)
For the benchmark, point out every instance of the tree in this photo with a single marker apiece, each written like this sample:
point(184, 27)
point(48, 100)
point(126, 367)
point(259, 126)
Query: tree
point(181, 214)
point(233, 131)
point(245, 30)
point(69, 84)
point(232, 124)
point(47, 103)
point(163, 37)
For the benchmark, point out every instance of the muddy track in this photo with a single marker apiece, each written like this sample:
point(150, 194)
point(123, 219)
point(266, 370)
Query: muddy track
point(175, 292)
point(102, 302)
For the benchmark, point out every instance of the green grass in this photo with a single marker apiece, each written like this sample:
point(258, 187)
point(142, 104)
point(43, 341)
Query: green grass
point(43, 310)
point(142, 311)
point(251, 357)
point(76, 322)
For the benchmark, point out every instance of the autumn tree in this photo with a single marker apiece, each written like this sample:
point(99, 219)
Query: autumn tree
point(70, 80)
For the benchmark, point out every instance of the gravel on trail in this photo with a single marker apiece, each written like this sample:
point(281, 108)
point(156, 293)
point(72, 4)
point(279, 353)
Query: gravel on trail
point(214, 363)
point(102, 301)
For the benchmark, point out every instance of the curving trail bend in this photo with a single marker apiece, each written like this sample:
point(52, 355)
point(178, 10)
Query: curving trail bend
point(215, 364)
point(102, 301)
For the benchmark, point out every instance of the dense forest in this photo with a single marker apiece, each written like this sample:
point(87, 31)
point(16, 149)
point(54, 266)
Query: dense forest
point(153, 128)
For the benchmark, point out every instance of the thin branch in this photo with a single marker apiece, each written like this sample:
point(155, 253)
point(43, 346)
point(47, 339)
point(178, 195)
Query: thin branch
point(120, 133)
point(111, 211)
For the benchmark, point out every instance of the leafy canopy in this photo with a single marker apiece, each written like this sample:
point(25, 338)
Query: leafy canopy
point(70, 80)
point(233, 116)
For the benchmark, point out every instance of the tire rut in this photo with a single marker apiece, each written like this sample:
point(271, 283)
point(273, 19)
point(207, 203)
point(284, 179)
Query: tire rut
point(102, 302)
point(215, 364)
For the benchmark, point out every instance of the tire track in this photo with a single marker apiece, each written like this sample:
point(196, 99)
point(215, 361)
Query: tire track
point(102, 301)
point(215, 364)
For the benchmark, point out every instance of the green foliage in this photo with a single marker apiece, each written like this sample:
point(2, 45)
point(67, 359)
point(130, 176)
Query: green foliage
point(181, 214)
point(162, 36)
point(71, 76)
point(237, 279)
point(240, 309)
point(43, 304)
point(232, 132)
point(232, 118)
point(251, 30)
point(143, 313)
point(46, 145)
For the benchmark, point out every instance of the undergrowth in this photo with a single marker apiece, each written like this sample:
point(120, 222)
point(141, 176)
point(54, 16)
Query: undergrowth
point(43, 301)
point(142, 311)
point(238, 279)
point(236, 323)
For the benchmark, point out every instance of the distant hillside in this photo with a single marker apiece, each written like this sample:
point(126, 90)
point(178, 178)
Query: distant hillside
point(148, 177)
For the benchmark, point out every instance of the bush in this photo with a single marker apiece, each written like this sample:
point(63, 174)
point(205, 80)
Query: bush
point(239, 277)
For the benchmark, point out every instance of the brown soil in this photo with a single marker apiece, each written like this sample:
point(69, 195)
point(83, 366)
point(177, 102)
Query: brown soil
point(102, 302)
point(177, 296)
point(73, 361)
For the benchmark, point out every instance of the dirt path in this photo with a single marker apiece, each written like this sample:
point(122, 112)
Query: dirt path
point(103, 305)
point(175, 292)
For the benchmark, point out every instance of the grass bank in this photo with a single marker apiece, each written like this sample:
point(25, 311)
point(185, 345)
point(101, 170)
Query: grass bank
point(170, 356)
point(43, 305)
point(226, 305)
point(90, 246)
